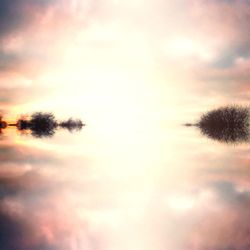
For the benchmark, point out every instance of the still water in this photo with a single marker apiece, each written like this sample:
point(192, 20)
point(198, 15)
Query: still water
point(134, 178)
point(90, 190)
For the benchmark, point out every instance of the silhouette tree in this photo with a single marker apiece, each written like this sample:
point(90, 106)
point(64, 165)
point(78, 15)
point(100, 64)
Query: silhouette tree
point(72, 124)
point(44, 124)
point(3, 124)
point(22, 124)
point(41, 124)
point(228, 124)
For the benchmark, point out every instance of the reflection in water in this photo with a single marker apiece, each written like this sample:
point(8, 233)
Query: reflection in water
point(58, 200)
point(135, 179)
point(229, 124)
point(44, 124)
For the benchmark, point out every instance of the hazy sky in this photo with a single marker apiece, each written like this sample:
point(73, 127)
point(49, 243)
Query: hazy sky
point(134, 71)
point(154, 56)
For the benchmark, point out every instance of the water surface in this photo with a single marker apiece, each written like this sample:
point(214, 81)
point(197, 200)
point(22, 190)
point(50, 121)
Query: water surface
point(134, 178)
point(83, 191)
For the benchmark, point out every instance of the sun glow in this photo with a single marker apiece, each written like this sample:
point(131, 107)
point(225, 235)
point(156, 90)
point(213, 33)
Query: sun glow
point(180, 203)
point(185, 47)
point(110, 79)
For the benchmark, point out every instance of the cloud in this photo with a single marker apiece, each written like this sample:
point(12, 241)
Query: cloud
point(33, 33)
point(220, 21)
point(17, 230)
point(10, 97)
point(18, 14)
point(222, 25)
point(33, 38)
point(23, 154)
point(31, 214)
point(9, 61)
point(18, 233)
point(223, 224)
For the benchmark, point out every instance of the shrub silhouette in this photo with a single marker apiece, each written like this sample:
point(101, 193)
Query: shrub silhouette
point(71, 124)
point(41, 124)
point(23, 124)
point(228, 124)
point(3, 124)
point(44, 124)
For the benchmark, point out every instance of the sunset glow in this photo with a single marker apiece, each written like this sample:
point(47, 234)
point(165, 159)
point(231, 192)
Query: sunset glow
point(134, 178)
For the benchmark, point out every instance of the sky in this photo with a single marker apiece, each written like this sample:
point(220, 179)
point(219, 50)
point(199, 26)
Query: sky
point(134, 71)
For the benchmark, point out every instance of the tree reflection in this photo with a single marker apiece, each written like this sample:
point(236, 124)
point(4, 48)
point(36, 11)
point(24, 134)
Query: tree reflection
point(3, 125)
point(71, 124)
point(43, 124)
point(228, 124)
